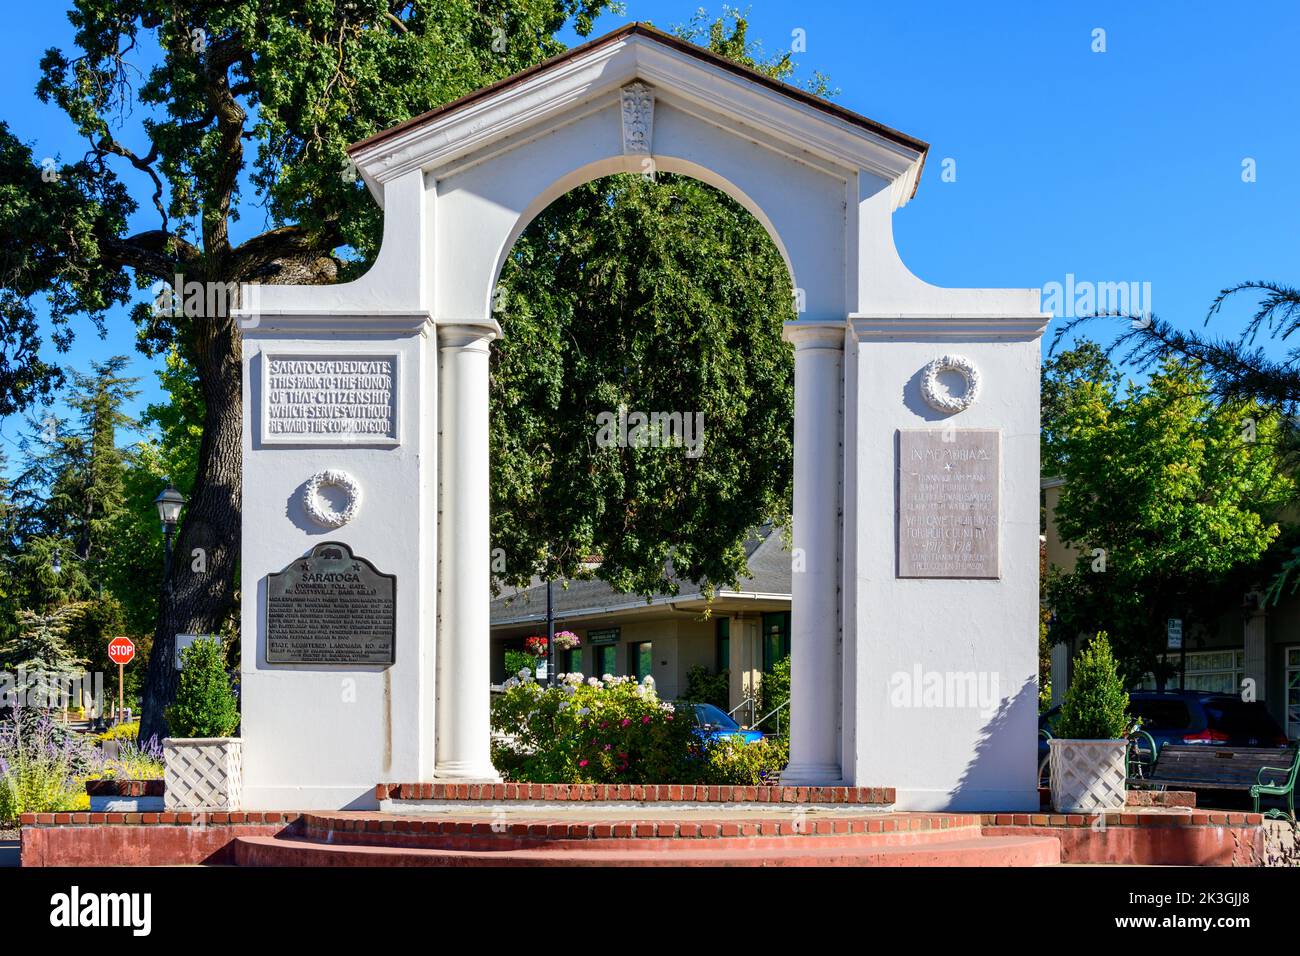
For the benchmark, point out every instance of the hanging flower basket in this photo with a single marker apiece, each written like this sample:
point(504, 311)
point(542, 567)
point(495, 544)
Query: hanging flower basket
point(535, 646)
point(566, 641)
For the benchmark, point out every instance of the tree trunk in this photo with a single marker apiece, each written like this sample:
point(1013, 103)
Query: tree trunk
point(203, 586)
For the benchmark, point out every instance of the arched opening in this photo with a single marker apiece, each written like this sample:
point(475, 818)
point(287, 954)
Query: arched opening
point(641, 434)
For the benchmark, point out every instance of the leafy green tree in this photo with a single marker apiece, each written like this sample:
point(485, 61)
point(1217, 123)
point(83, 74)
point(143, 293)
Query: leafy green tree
point(132, 568)
point(643, 293)
point(231, 104)
point(680, 300)
point(1171, 499)
point(216, 107)
point(1064, 377)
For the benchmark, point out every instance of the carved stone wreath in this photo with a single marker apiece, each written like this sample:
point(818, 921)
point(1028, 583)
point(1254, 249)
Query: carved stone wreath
point(937, 396)
point(320, 510)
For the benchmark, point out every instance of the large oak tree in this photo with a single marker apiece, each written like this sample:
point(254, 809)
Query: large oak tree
point(673, 303)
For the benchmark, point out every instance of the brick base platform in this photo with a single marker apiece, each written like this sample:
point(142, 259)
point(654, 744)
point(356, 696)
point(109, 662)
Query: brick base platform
point(457, 793)
point(583, 834)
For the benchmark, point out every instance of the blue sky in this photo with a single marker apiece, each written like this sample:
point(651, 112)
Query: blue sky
point(1117, 166)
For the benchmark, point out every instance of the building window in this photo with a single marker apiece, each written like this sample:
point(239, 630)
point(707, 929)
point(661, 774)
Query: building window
point(604, 648)
point(574, 662)
point(602, 662)
point(1293, 692)
point(640, 659)
point(776, 638)
point(722, 645)
point(1219, 672)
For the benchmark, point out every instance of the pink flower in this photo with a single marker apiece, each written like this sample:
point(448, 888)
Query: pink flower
point(625, 722)
point(609, 746)
point(582, 763)
point(645, 719)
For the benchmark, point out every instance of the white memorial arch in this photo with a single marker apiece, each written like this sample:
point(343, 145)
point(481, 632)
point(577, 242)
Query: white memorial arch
point(914, 622)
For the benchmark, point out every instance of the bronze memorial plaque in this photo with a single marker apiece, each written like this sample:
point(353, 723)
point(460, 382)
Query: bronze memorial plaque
point(331, 608)
point(948, 484)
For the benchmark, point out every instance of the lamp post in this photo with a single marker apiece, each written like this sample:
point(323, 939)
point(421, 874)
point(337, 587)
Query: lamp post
point(169, 504)
point(550, 632)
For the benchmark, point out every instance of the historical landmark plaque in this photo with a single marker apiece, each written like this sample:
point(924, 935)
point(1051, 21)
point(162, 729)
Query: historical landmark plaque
point(330, 608)
point(948, 481)
point(343, 399)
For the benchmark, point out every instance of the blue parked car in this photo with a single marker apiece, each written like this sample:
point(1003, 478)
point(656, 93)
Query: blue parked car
point(712, 723)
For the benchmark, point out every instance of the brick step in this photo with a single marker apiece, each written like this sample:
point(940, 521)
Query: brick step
point(963, 850)
point(674, 835)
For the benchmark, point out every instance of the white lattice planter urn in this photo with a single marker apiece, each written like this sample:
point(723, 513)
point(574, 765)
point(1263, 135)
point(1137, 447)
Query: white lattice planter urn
point(1088, 775)
point(203, 773)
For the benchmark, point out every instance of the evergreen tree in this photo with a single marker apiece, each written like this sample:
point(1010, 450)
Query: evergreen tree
point(39, 654)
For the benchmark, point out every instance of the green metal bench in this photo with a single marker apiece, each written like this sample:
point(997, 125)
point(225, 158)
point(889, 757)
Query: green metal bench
point(1283, 787)
point(1140, 764)
point(1247, 769)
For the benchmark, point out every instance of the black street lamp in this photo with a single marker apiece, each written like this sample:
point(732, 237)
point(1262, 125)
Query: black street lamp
point(550, 632)
point(169, 504)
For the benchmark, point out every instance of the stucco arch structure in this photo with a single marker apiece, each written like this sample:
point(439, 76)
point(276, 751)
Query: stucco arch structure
point(457, 186)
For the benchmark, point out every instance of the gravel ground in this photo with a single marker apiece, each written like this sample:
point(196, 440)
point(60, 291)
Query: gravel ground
point(8, 834)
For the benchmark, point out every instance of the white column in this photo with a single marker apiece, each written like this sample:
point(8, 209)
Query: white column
point(462, 749)
point(814, 612)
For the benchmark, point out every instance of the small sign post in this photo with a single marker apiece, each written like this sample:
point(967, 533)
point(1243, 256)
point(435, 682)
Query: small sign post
point(121, 651)
point(1174, 641)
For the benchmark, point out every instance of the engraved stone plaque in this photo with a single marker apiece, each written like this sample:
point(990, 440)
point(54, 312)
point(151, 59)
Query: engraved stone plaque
point(331, 608)
point(334, 399)
point(948, 489)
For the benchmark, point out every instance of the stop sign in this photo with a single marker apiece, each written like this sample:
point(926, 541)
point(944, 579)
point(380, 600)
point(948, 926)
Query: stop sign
point(121, 650)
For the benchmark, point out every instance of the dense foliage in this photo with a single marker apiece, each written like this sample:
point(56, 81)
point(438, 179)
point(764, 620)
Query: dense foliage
point(197, 114)
point(44, 766)
point(1170, 497)
point(1096, 704)
point(41, 765)
point(205, 704)
point(705, 687)
point(774, 693)
point(615, 731)
point(631, 294)
point(592, 731)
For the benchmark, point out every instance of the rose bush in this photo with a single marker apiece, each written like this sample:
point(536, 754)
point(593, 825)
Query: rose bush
point(615, 730)
point(610, 730)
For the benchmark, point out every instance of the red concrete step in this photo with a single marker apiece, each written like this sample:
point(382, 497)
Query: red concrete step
point(962, 851)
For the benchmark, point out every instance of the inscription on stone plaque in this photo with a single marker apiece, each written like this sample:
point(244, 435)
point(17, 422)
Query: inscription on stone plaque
point(331, 608)
point(948, 503)
point(329, 399)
